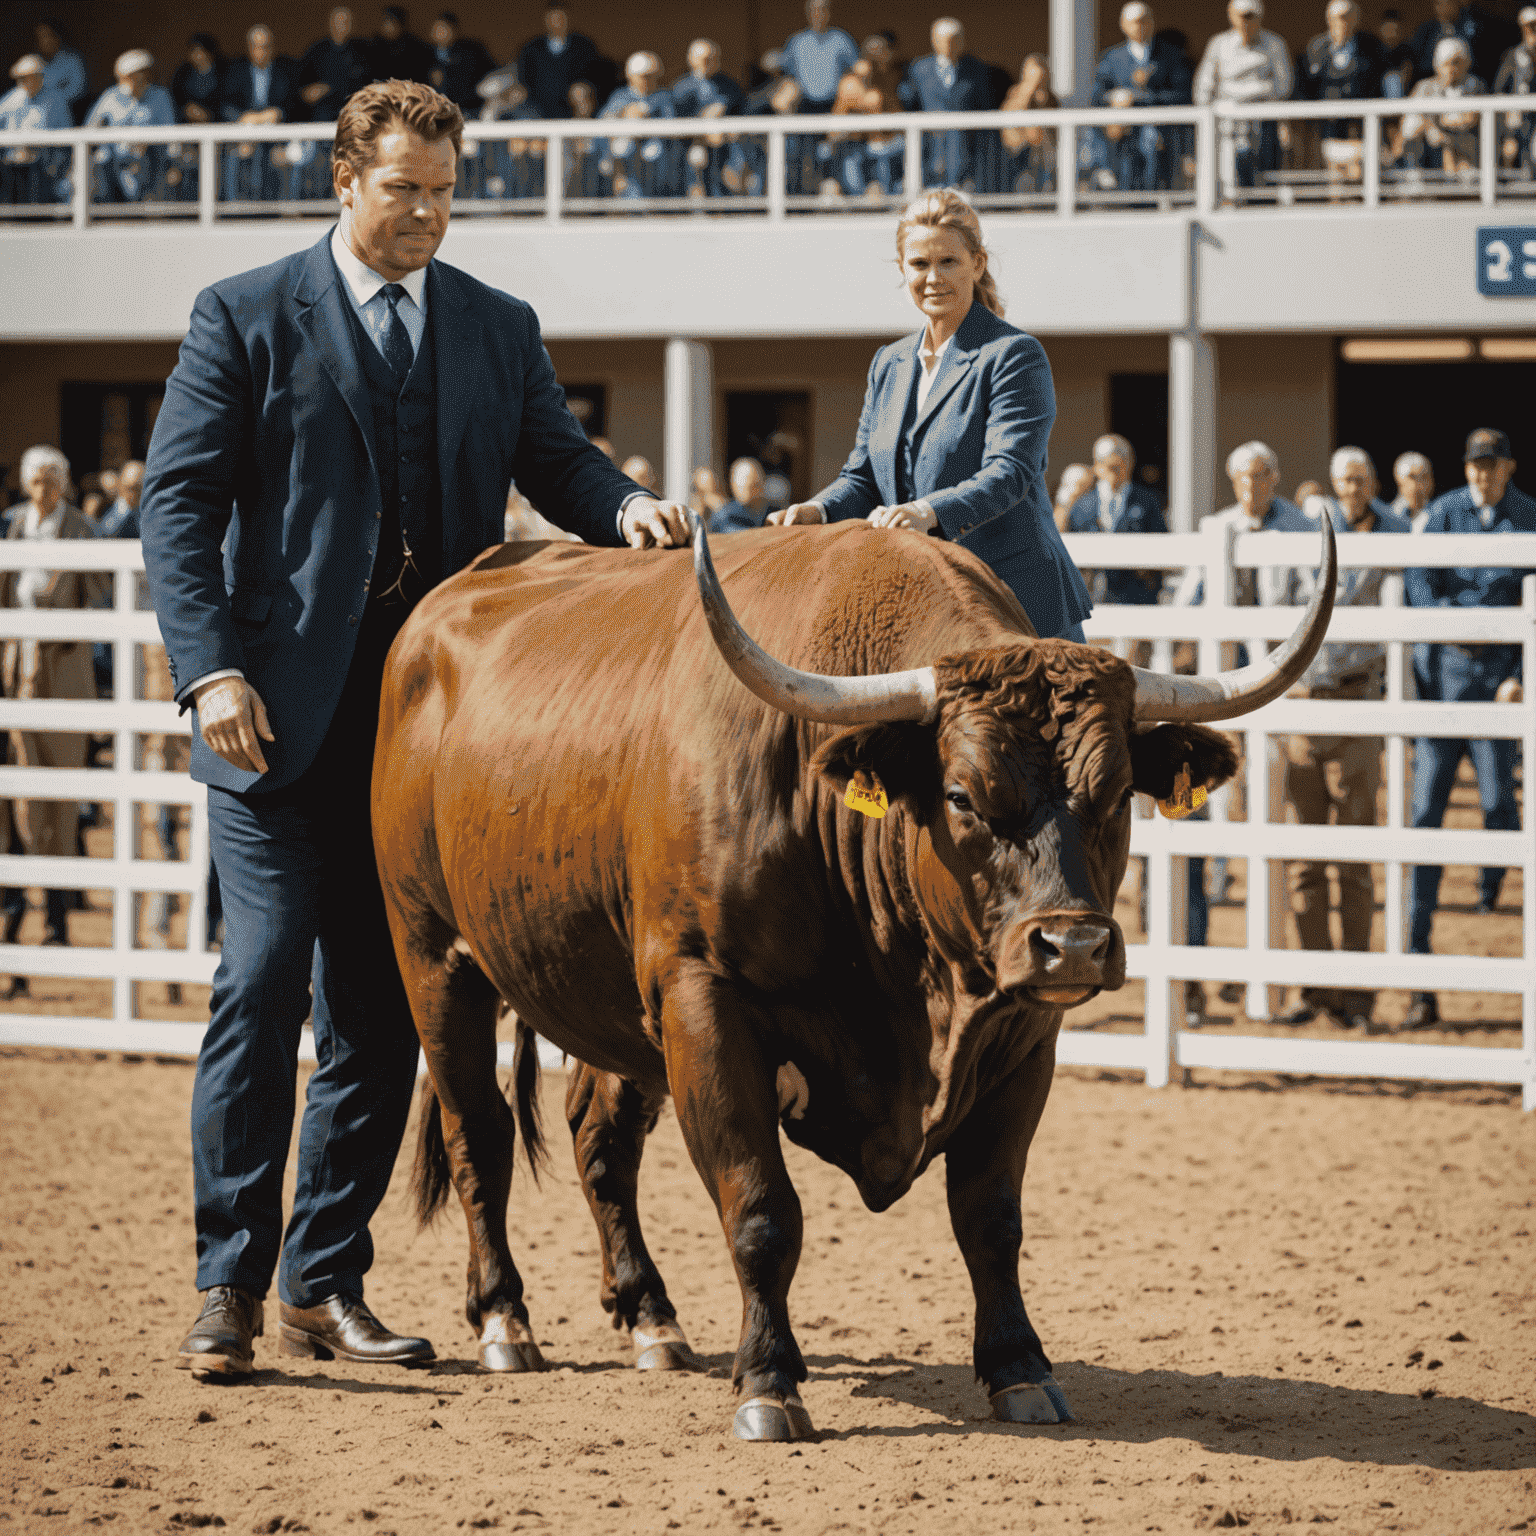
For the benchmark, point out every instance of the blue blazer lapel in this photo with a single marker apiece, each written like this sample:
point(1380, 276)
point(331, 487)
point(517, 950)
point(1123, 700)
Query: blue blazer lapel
point(322, 316)
point(885, 440)
point(956, 362)
point(457, 343)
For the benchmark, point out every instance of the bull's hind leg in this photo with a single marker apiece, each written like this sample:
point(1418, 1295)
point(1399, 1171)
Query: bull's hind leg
point(466, 1137)
point(727, 1105)
point(984, 1173)
point(610, 1118)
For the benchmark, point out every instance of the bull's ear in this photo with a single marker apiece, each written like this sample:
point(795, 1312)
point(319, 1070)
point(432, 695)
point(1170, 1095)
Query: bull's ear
point(902, 755)
point(1158, 755)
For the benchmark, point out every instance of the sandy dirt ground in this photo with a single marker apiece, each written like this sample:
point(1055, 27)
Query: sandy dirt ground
point(1269, 1307)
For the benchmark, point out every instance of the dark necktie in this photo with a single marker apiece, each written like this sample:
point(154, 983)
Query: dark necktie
point(398, 351)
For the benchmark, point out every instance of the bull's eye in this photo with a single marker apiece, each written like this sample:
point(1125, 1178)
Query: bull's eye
point(958, 798)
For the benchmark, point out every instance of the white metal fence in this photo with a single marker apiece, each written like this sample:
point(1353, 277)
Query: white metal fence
point(1164, 961)
point(554, 170)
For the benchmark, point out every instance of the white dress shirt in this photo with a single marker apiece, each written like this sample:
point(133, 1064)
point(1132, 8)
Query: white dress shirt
point(365, 288)
point(931, 363)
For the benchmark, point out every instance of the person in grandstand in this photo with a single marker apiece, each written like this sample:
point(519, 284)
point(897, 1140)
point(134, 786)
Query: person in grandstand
point(706, 91)
point(1143, 71)
point(1117, 504)
point(1245, 64)
point(550, 64)
point(27, 174)
point(1354, 670)
point(1444, 141)
point(1517, 77)
point(63, 65)
point(1489, 503)
point(749, 505)
point(952, 437)
point(292, 519)
point(642, 167)
point(128, 172)
point(1341, 64)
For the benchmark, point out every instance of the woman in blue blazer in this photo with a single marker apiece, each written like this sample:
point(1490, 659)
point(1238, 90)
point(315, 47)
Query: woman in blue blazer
point(952, 438)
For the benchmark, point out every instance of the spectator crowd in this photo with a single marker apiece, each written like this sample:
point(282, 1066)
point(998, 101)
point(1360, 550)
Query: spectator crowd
point(820, 70)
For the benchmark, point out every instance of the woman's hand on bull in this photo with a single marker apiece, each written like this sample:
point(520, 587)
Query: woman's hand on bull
point(234, 722)
point(801, 514)
point(647, 522)
point(916, 515)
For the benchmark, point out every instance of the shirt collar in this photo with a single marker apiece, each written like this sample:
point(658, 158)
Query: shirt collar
point(35, 526)
point(364, 283)
point(937, 356)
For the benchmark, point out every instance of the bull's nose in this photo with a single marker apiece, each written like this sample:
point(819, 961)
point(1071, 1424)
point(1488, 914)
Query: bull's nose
point(1062, 953)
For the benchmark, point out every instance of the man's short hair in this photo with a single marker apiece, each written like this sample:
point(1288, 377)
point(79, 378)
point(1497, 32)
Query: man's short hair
point(387, 104)
point(1249, 7)
point(260, 27)
point(643, 63)
point(1344, 457)
point(1134, 10)
point(46, 457)
point(947, 24)
point(1343, 8)
point(1407, 463)
point(1451, 48)
point(1112, 445)
point(1245, 456)
point(746, 463)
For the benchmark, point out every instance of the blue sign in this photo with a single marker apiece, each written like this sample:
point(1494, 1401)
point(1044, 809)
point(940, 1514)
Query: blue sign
point(1506, 261)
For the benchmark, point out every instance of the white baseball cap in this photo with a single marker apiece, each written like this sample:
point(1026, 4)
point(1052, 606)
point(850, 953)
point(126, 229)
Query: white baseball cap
point(1248, 7)
point(28, 64)
point(133, 61)
point(1135, 10)
point(1341, 7)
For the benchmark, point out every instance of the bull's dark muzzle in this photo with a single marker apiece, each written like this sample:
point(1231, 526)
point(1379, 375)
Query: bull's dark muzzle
point(1061, 959)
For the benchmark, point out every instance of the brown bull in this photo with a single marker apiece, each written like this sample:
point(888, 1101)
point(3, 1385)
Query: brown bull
point(579, 809)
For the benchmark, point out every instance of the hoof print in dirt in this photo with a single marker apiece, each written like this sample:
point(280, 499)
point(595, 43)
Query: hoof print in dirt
point(1041, 1402)
point(768, 1418)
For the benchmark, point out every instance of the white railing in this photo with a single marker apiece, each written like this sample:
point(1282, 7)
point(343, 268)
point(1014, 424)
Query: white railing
point(1263, 964)
point(1204, 190)
point(1164, 962)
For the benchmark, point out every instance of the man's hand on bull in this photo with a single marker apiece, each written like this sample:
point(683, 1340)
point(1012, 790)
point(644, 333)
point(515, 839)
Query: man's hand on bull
point(232, 718)
point(916, 515)
point(801, 514)
point(647, 521)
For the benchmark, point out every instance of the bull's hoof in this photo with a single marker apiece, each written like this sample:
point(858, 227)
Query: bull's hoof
point(767, 1418)
point(1031, 1402)
point(506, 1344)
point(664, 1347)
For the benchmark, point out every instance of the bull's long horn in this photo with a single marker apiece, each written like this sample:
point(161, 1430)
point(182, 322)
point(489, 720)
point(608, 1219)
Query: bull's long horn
point(1228, 694)
point(808, 695)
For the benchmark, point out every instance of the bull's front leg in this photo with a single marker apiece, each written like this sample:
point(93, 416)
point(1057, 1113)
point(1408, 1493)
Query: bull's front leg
point(984, 1173)
point(723, 1087)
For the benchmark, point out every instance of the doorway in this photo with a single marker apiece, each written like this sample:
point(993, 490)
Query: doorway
point(102, 426)
point(1392, 408)
point(773, 427)
point(1138, 411)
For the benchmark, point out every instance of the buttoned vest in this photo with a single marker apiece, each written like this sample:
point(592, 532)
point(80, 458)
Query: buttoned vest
point(405, 451)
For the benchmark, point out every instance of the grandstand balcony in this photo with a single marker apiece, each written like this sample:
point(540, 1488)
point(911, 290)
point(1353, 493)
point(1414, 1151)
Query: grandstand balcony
point(643, 258)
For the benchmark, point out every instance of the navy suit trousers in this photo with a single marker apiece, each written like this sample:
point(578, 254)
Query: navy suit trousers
point(302, 907)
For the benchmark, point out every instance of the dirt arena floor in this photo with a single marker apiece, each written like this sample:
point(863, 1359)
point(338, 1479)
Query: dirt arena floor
point(1268, 1306)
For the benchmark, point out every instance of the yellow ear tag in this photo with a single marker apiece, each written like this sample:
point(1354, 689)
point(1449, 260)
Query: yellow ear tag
point(866, 794)
point(1184, 801)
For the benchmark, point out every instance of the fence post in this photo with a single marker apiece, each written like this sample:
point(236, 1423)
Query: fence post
point(207, 180)
point(125, 808)
point(912, 161)
point(1528, 874)
point(1066, 171)
point(775, 174)
point(1394, 908)
point(554, 178)
point(1205, 162)
point(1488, 165)
point(80, 193)
point(1370, 167)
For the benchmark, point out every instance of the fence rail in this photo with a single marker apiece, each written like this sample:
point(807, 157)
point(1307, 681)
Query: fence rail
point(1163, 159)
point(1164, 962)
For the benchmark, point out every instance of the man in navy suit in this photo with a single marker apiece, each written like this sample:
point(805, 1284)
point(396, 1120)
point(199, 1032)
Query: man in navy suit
point(338, 436)
point(551, 64)
point(260, 88)
point(1143, 71)
point(949, 80)
point(1117, 504)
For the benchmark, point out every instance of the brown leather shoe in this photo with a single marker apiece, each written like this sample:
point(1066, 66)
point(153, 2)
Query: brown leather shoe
point(342, 1328)
point(220, 1343)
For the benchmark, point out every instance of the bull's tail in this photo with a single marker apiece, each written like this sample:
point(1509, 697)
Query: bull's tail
point(432, 1178)
point(525, 1097)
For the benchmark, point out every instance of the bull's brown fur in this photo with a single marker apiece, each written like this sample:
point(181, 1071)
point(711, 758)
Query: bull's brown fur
point(578, 805)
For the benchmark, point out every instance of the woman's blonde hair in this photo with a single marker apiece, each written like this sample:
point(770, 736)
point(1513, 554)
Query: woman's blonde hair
point(948, 209)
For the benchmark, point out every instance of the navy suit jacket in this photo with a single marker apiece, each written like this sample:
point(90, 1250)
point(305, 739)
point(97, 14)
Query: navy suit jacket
point(237, 93)
point(1139, 513)
point(922, 90)
point(261, 506)
point(978, 458)
point(1169, 80)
